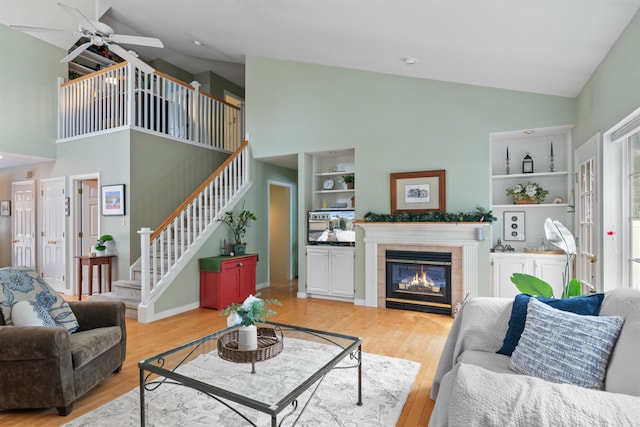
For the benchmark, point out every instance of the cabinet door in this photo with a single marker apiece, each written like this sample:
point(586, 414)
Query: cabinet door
point(318, 270)
point(503, 268)
point(229, 285)
point(551, 272)
point(342, 272)
point(247, 278)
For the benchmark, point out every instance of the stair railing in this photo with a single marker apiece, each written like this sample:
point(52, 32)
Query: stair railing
point(165, 251)
point(123, 96)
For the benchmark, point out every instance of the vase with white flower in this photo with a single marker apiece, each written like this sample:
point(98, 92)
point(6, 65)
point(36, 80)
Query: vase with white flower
point(531, 193)
point(252, 310)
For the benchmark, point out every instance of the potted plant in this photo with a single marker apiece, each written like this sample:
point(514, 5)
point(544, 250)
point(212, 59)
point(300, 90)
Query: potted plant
point(252, 310)
point(105, 245)
point(349, 180)
point(238, 225)
point(527, 194)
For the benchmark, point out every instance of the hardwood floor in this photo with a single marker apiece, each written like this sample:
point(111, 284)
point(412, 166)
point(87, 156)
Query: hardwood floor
point(405, 334)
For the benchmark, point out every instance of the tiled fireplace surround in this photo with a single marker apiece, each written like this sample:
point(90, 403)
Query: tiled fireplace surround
point(460, 239)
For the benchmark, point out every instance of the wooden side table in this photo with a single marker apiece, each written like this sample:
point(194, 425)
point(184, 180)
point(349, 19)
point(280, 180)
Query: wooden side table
point(92, 261)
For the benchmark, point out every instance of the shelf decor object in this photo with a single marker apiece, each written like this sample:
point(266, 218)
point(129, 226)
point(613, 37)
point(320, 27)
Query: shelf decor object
point(551, 167)
point(415, 192)
point(508, 169)
point(531, 193)
point(527, 164)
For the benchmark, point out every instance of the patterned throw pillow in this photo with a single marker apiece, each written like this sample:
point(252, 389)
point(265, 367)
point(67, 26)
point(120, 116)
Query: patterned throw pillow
point(564, 347)
point(28, 313)
point(587, 305)
point(24, 284)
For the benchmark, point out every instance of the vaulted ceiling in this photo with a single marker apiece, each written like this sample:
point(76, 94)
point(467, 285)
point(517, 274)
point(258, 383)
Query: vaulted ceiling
point(548, 47)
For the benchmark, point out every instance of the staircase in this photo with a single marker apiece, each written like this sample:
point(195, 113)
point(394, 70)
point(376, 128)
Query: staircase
point(167, 250)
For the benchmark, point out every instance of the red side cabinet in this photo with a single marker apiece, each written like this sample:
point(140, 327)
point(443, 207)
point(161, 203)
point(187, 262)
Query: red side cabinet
point(225, 280)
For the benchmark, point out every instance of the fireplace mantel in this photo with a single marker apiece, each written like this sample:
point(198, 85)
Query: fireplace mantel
point(461, 235)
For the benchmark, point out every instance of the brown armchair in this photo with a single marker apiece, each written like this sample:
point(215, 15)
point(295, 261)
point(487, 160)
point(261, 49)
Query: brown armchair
point(43, 367)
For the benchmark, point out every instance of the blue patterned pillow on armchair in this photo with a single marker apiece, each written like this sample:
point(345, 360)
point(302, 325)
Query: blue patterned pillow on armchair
point(24, 284)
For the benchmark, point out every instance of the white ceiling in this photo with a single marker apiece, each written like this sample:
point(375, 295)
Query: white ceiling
point(549, 47)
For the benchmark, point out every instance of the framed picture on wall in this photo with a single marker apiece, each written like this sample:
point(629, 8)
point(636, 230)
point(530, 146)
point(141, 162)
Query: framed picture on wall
point(415, 192)
point(113, 201)
point(5, 208)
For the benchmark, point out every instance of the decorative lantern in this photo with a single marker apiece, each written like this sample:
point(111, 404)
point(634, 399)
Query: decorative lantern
point(527, 164)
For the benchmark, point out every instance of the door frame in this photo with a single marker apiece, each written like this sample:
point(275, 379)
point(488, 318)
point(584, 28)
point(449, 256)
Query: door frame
point(75, 183)
point(293, 220)
point(590, 149)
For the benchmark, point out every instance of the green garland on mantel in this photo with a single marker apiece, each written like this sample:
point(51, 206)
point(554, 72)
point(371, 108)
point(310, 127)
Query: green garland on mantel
point(479, 215)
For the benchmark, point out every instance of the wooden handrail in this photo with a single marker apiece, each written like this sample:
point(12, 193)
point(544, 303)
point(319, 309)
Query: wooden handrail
point(197, 191)
point(95, 73)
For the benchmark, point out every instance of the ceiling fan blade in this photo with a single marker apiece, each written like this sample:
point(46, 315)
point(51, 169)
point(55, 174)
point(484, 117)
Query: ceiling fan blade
point(37, 29)
point(76, 52)
point(82, 20)
point(137, 40)
point(124, 54)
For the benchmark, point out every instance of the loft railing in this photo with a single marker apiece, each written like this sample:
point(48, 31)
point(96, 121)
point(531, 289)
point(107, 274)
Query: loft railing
point(164, 251)
point(124, 96)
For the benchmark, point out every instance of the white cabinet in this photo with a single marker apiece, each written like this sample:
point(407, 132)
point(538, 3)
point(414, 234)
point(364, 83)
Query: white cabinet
point(331, 272)
point(330, 171)
point(538, 144)
point(546, 267)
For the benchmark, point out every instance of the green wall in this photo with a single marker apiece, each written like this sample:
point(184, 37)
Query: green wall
point(163, 173)
point(29, 71)
point(613, 91)
point(395, 124)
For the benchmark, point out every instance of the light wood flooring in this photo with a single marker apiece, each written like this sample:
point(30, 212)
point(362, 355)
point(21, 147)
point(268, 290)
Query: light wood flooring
point(405, 334)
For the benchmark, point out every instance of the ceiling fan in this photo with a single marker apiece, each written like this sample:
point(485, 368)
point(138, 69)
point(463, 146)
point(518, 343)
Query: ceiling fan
point(101, 34)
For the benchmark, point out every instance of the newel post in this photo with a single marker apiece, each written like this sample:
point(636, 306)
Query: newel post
point(130, 94)
point(145, 239)
point(196, 114)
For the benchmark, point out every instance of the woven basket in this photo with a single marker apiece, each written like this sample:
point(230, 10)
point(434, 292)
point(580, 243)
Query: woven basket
point(269, 345)
point(526, 202)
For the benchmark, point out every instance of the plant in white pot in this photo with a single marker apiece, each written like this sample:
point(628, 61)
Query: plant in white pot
point(238, 225)
point(105, 245)
point(252, 310)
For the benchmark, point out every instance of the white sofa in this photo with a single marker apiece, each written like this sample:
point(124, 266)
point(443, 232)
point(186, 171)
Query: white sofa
point(475, 386)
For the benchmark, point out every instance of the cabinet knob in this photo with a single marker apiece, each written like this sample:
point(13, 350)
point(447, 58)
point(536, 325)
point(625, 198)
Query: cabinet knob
point(239, 264)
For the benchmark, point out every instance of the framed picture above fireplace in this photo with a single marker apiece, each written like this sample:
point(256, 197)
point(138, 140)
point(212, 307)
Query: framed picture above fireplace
point(415, 192)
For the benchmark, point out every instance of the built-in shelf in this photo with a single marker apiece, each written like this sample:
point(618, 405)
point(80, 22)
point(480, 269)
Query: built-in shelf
point(530, 175)
point(532, 206)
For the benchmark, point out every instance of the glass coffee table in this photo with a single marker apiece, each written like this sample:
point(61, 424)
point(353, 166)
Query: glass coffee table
point(271, 386)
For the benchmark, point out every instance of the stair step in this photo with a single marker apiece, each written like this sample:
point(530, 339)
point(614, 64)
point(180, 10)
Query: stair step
point(130, 303)
point(127, 288)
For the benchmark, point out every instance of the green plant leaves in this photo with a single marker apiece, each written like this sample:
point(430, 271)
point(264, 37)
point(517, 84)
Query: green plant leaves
point(573, 289)
point(531, 285)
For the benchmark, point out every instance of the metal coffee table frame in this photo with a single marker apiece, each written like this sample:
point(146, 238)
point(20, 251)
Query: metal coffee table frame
point(155, 365)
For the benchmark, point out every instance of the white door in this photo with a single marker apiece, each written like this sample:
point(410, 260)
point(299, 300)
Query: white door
point(232, 119)
point(588, 224)
point(23, 249)
point(53, 264)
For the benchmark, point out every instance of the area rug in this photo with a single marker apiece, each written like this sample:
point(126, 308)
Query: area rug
point(386, 383)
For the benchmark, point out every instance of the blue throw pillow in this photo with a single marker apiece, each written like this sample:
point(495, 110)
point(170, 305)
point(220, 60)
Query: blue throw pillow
point(587, 305)
point(567, 348)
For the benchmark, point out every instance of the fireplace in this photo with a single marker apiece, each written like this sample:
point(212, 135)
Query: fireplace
point(419, 281)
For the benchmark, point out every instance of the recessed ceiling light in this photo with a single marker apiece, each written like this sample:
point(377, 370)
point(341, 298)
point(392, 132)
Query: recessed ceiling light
point(410, 61)
point(197, 42)
point(529, 132)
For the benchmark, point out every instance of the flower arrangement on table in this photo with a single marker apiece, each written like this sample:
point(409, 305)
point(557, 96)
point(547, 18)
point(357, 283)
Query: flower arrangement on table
point(530, 192)
point(252, 310)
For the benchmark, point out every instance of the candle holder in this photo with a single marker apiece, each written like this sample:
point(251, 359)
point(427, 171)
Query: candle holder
point(508, 170)
point(551, 167)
